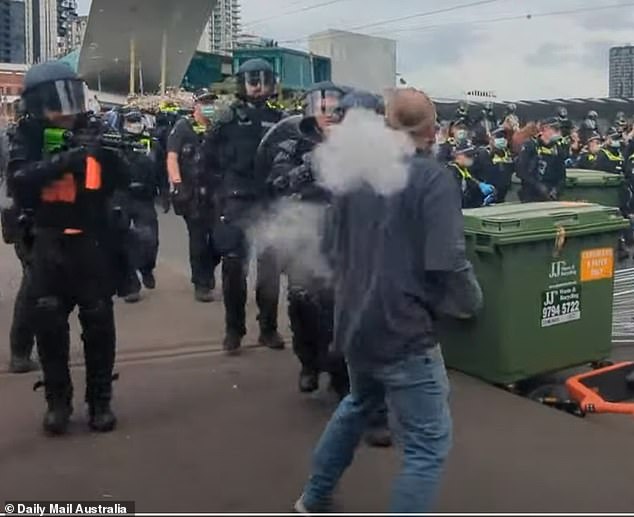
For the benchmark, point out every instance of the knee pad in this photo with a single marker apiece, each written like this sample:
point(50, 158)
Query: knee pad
point(98, 316)
point(49, 312)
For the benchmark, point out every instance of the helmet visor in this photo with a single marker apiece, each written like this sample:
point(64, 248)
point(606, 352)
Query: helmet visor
point(261, 78)
point(65, 97)
point(322, 103)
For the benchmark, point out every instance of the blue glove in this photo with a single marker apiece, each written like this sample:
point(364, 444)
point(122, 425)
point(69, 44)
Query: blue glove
point(489, 200)
point(486, 189)
point(568, 162)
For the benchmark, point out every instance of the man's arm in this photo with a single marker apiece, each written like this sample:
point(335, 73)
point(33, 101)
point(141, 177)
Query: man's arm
point(174, 146)
point(449, 279)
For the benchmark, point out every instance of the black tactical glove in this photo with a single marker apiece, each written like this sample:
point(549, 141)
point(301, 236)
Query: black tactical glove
point(165, 201)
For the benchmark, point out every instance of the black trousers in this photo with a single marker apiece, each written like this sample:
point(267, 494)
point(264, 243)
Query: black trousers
point(71, 271)
point(203, 258)
point(311, 314)
point(22, 334)
point(143, 240)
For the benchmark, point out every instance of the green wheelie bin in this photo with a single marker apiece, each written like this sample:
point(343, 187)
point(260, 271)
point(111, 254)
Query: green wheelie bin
point(546, 271)
point(590, 186)
point(583, 185)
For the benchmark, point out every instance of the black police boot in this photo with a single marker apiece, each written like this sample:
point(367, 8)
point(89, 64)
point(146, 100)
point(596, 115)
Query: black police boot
point(308, 381)
point(132, 297)
point(378, 437)
point(232, 343)
point(22, 365)
point(271, 339)
point(101, 419)
point(203, 294)
point(148, 280)
point(59, 410)
point(57, 417)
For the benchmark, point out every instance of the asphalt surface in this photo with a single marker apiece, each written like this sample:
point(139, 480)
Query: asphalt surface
point(203, 432)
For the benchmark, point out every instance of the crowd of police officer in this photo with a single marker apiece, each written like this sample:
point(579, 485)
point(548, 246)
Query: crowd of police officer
point(484, 152)
point(83, 220)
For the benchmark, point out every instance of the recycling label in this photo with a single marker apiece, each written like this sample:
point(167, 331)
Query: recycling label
point(561, 304)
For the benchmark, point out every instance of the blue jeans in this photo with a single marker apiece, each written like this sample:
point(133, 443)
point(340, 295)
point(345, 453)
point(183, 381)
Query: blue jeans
point(417, 392)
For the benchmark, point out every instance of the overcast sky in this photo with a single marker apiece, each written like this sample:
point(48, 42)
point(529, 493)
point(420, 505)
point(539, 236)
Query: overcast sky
point(449, 53)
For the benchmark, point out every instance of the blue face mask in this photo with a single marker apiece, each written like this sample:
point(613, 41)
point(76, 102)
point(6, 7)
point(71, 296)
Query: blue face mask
point(615, 144)
point(500, 143)
point(555, 138)
point(207, 111)
point(461, 135)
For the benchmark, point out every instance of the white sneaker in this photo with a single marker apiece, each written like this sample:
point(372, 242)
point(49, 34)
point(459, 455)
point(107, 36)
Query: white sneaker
point(300, 507)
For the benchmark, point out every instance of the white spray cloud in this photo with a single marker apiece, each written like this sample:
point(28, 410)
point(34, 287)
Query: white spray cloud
point(362, 150)
point(294, 230)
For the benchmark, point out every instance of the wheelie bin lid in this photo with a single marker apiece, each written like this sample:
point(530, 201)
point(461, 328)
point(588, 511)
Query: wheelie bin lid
point(511, 223)
point(590, 178)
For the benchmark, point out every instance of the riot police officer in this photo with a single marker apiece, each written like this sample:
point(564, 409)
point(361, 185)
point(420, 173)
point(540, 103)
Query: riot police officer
point(17, 231)
point(610, 157)
point(541, 165)
point(192, 193)
point(310, 299)
point(67, 182)
point(458, 134)
point(146, 183)
point(229, 152)
point(564, 122)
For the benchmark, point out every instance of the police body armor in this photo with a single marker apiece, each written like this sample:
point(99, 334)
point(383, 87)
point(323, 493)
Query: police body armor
point(548, 158)
point(196, 201)
point(143, 178)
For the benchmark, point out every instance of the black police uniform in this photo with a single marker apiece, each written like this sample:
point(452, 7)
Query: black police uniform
point(610, 160)
point(495, 167)
point(194, 201)
point(146, 184)
point(445, 150)
point(17, 231)
point(230, 151)
point(72, 266)
point(310, 299)
point(542, 169)
point(587, 160)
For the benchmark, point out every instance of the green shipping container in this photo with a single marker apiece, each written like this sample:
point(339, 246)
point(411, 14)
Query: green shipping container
point(590, 186)
point(598, 187)
point(546, 270)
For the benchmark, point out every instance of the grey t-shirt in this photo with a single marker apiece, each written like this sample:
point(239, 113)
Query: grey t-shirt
point(385, 252)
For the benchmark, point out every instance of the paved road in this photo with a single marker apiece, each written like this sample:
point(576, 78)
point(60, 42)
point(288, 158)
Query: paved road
point(203, 432)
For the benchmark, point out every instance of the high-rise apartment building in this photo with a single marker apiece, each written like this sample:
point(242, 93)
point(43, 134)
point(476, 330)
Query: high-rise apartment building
point(622, 72)
point(48, 24)
point(12, 37)
point(223, 28)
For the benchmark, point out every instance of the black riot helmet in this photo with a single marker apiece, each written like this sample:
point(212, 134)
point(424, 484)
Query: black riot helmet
point(254, 73)
point(463, 109)
point(488, 107)
point(562, 113)
point(593, 115)
point(53, 88)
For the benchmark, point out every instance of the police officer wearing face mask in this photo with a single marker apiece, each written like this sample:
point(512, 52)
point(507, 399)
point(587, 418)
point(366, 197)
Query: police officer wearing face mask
point(229, 153)
point(541, 165)
point(475, 193)
point(610, 158)
point(496, 165)
point(458, 135)
point(588, 157)
point(192, 193)
point(145, 185)
point(64, 176)
point(589, 126)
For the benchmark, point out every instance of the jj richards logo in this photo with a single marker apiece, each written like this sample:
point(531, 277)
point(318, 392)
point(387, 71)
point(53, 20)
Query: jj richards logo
point(560, 269)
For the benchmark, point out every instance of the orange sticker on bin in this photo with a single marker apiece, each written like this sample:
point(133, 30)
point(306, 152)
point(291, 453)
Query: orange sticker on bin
point(597, 264)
